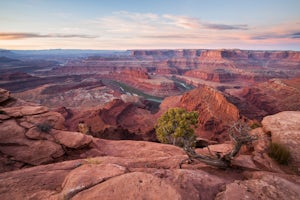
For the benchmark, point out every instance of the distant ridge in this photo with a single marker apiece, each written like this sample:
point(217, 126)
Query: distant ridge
point(4, 59)
point(47, 53)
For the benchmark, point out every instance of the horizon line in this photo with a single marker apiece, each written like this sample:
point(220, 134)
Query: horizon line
point(145, 49)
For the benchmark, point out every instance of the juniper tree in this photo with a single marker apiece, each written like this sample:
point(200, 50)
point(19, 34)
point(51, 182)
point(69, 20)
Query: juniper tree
point(176, 126)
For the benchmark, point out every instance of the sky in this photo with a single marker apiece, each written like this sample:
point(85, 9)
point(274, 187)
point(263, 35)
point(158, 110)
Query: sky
point(150, 24)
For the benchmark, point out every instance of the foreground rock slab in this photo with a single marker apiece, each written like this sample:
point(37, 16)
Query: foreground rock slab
point(266, 186)
point(284, 128)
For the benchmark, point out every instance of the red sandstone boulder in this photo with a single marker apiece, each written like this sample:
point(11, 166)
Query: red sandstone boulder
point(136, 149)
point(40, 182)
point(19, 148)
point(284, 128)
point(55, 119)
point(268, 186)
point(71, 139)
point(32, 135)
point(80, 179)
point(160, 184)
point(22, 111)
point(260, 154)
point(133, 185)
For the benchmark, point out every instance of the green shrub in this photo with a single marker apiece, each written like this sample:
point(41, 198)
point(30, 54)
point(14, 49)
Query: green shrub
point(279, 153)
point(44, 127)
point(176, 126)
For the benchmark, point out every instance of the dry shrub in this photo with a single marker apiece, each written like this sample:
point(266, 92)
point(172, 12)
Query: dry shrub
point(279, 153)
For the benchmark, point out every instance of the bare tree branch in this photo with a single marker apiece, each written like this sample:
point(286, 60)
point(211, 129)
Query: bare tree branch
point(239, 133)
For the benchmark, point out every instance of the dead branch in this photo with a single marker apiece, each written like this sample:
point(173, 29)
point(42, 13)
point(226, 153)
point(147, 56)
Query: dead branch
point(239, 134)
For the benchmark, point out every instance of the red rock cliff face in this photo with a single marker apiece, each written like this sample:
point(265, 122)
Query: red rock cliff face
point(220, 77)
point(166, 53)
point(215, 112)
point(274, 95)
point(275, 55)
point(219, 54)
point(212, 107)
point(201, 63)
point(135, 73)
point(211, 54)
point(116, 120)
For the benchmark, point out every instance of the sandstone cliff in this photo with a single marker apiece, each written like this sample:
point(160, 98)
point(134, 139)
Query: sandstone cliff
point(218, 75)
point(215, 112)
point(238, 62)
point(274, 95)
point(219, 54)
point(151, 72)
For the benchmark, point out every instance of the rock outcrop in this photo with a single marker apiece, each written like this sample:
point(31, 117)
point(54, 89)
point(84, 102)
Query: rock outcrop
point(86, 93)
point(263, 186)
point(215, 112)
point(33, 135)
point(284, 128)
point(118, 120)
point(123, 172)
point(274, 96)
point(151, 172)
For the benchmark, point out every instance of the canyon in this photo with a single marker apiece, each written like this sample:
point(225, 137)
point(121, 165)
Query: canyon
point(120, 95)
point(92, 80)
point(80, 125)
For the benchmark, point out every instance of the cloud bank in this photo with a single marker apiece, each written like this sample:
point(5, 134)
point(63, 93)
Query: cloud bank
point(128, 30)
point(268, 36)
point(17, 36)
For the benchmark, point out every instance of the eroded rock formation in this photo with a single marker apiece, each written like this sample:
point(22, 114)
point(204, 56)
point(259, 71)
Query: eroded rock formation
point(159, 73)
point(215, 112)
point(33, 135)
point(117, 120)
point(274, 96)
